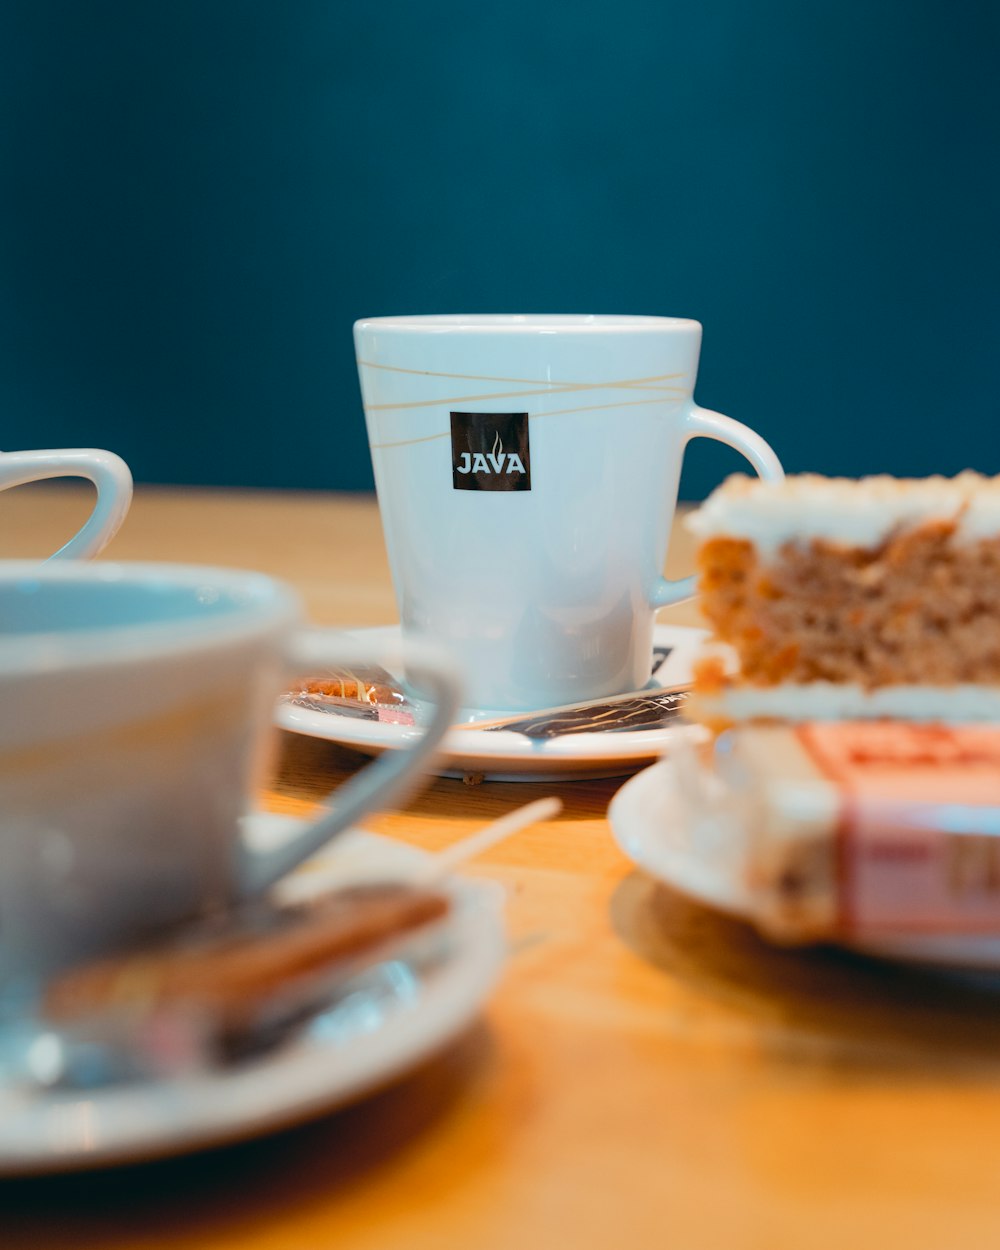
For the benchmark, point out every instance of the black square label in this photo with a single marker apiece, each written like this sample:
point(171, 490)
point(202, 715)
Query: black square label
point(489, 451)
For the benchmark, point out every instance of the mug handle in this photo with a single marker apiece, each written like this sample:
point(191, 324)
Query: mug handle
point(109, 473)
point(383, 782)
point(703, 423)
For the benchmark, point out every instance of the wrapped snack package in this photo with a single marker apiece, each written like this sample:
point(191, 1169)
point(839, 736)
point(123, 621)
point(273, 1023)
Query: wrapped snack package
point(235, 983)
point(858, 829)
point(368, 693)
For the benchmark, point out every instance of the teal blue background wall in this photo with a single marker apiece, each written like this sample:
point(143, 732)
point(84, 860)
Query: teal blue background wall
point(197, 198)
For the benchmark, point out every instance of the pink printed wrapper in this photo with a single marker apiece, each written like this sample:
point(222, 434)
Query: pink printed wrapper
point(390, 714)
point(918, 842)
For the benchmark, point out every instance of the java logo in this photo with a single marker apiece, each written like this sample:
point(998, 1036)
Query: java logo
point(496, 460)
point(489, 451)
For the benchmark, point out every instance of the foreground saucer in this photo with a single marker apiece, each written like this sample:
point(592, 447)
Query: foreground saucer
point(502, 755)
point(647, 822)
point(317, 1071)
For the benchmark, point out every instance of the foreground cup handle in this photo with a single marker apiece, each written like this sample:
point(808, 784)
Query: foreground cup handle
point(382, 783)
point(703, 423)
point(109, 473)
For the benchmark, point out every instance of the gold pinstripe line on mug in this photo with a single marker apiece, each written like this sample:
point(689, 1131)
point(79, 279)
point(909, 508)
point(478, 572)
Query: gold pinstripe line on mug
point(485, 377)
point(534, 416)
point(666, 391)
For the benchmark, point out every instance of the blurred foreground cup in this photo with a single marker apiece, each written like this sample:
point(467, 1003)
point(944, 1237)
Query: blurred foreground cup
point(136, 705)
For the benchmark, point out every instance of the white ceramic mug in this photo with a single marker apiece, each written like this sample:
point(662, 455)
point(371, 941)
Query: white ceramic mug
point(135, 708)
point(109, 474)
point(527, 471)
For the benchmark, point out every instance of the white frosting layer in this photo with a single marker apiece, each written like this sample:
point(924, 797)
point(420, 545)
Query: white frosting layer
point(857, 513)
point(826, 701)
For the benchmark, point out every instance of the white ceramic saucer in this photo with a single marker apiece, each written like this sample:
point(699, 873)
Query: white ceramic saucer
point(646, 820)
point(340, 1057)
point(500, 755)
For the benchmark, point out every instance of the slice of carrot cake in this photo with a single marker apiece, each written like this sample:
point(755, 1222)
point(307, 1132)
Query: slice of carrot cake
point(850, 598)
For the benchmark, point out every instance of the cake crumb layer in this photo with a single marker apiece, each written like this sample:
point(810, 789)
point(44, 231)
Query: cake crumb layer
point(922, 608)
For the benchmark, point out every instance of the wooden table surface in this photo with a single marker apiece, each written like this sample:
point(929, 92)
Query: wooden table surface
point(647, 1073)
